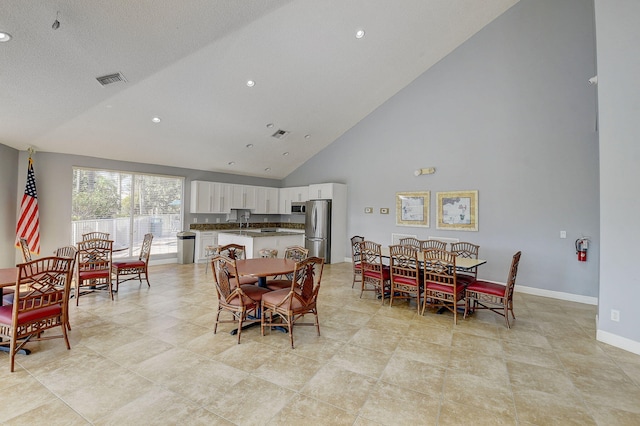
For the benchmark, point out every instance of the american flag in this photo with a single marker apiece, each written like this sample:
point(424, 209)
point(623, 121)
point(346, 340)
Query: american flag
point(29, 222)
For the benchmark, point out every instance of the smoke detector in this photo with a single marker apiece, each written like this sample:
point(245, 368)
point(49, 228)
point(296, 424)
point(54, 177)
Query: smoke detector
point(111, 78)
point(280, 134)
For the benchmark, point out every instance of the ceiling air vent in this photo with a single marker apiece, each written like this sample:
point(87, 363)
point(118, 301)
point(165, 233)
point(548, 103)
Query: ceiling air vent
point(111, 78)
point(280, 134)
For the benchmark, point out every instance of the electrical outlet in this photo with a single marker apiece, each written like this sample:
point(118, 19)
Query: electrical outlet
point(206, 220)
point(265, 219)
point(563, 234)
point(615, 315)
point(217, 220)
point(195, 220)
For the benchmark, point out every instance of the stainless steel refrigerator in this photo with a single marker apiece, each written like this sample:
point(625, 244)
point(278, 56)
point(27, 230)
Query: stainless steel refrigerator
point(317, 235)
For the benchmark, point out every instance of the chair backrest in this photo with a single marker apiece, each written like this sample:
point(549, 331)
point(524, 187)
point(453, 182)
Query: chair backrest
point(440, 267)
point(355, 248)
point(224, 270)
point(296, 253)
point(432, 244)
point(232, 251)
point(308, 274)
point(464, 249)
point(404, 262)
point(268, 253)
point(42, 283)
point(513, 272)
point(411, 242)
point(66, 251)
point(95, 255)
point(95, 236)
point(145, 250)
point(371, 258)
point(26, 253)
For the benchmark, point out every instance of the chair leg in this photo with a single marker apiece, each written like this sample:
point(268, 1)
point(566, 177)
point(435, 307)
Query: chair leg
point(290, 324)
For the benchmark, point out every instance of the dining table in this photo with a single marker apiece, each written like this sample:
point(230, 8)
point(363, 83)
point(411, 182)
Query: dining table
point(261, 268)
point(462, 263)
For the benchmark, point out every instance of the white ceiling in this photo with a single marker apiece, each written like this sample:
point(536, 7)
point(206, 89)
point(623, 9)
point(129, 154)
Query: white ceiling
point(188, 63)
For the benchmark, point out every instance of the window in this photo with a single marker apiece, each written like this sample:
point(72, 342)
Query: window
point(127, 206)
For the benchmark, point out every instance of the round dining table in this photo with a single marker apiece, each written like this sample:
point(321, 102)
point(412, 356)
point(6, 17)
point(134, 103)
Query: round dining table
point(263, 267)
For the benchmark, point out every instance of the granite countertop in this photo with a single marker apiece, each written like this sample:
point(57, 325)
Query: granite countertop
point(255, 227)
point(257, 233)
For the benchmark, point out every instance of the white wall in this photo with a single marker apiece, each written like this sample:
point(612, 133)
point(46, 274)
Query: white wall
point(510, 114)
point(618, 29)
point(8, 219)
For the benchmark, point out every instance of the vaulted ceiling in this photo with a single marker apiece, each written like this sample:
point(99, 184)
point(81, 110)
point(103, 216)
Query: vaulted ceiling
point(188, 63)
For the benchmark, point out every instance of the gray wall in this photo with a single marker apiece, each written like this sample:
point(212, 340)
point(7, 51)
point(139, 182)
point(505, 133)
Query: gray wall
point(510, 114)
point(8, 188)
point(54, 176)
point(619, 108)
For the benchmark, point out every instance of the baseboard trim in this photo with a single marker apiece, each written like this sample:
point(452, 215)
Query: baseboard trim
point(618, 341)
point(588, 300)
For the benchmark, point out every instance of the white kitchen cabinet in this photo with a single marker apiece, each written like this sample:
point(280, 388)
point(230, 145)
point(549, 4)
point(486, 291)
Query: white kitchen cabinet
point(292, 195)
point(267, 200)
point(204, 239)
point(321, 191)
point(243, 197)
point(210, 197)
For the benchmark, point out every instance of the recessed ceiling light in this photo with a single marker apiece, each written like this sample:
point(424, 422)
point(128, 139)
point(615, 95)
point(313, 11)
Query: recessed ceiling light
point(270, 125)
point(251, 83)
point(359, 33)
point(268, 169)
point(285, 153)
point(4, 36)
point(249, 145)
point(156, 119)
point(231, 163)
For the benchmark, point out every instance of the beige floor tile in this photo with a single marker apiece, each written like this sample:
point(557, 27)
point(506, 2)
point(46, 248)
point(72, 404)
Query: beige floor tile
point(415, 375)
point(454, 414)
point(339, 387)
point(532, 377)
point(375, 339)
point(540, 408)
point(54, 411)
point(304, 410)
point(477, 391)
point(360, 360)
point(23, 397)
point(287, 370)
point(394, 405)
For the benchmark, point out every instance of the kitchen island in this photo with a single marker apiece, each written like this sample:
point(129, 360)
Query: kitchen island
point(256, 239)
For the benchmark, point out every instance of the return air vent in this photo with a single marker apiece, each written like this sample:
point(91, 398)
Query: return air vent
point(280, 134)
point(111, 78)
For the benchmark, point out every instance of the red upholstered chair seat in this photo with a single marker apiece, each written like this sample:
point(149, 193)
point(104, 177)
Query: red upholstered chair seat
point(129, 265)
point(443, 288)
point(386, 273)
point(487, 287)
point(88, 275)
point(405, 280)
point(6, 313)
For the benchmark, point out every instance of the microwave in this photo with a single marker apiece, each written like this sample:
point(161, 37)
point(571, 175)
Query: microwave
point(298, 208)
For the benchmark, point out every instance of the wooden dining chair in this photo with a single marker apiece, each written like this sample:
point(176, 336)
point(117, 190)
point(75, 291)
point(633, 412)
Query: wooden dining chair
point(495, 297)
point(432, 244)
point(134, 269)
point(404, 274)
point(66, 251)
point(355, 259)
point(375, 275)
point(93, 271)
point(238, 300)
point(295, 253)
point(470, 251)
point(95, 236)
point(410, 241)
point(441, 289)
point(41, 302)
point(236, 252)
point(287, 307)
point(26, 253)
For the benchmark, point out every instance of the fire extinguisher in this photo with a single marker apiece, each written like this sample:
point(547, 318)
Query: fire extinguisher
point(582, 245)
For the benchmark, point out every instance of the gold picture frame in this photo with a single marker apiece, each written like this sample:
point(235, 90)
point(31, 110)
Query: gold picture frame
point(457, 210)
point(412, 209)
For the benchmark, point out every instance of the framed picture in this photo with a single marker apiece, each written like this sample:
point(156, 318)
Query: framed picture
point(458, 210)
point(412, 209)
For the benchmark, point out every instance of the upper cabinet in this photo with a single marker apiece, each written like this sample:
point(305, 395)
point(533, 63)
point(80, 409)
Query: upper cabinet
point(243, 197)
point(267, 200)
point(321, 191)
point(210, 197)
point(292, 195)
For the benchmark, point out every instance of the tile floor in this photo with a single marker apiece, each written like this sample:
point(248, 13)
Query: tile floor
point(150, 357)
